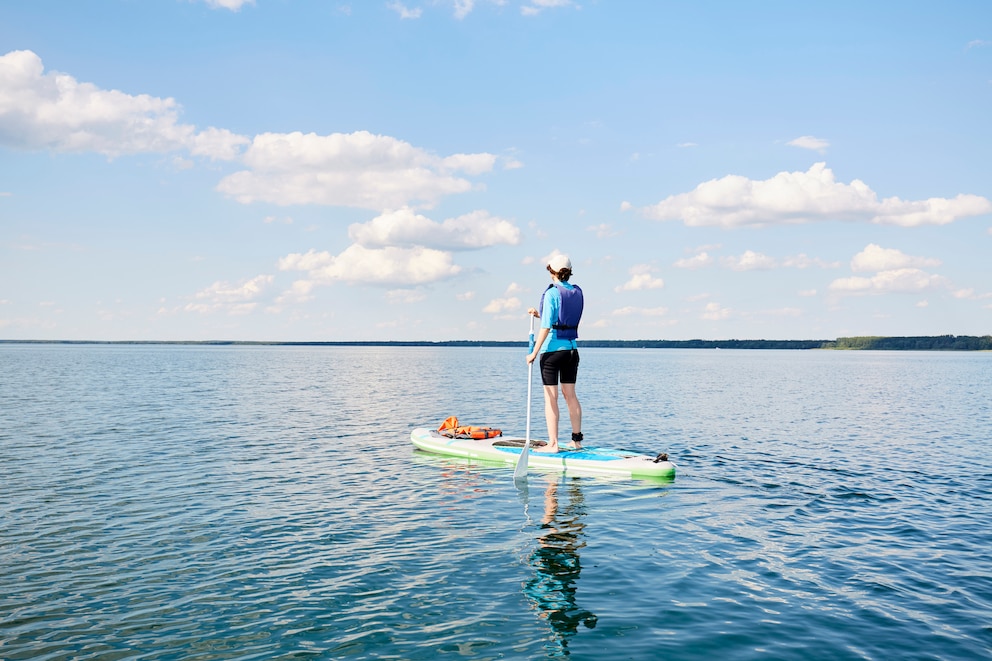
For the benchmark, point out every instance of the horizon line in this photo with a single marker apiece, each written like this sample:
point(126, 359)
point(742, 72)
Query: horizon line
point(653, 343)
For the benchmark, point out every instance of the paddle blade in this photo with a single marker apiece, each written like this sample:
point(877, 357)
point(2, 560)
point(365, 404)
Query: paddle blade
point(520, 471)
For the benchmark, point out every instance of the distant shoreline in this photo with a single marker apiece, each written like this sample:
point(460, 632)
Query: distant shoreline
point(876, 343)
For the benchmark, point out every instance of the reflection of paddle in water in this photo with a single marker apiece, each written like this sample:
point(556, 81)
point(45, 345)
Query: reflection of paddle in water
point(556, 562)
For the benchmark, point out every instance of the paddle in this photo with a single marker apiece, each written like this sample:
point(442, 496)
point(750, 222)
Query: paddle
point(520, 471)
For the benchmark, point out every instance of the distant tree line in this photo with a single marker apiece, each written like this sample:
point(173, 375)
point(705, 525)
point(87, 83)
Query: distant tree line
point(920, 343)
point(705, 344)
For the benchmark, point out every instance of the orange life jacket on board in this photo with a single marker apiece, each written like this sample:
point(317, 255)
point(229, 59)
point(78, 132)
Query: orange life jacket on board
point(452, 429)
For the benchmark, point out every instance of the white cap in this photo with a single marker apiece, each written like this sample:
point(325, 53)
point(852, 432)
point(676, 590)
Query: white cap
point(559, 262)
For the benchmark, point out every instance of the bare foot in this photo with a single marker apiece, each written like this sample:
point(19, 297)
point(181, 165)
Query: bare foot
point(549, 448)
point(573, 446)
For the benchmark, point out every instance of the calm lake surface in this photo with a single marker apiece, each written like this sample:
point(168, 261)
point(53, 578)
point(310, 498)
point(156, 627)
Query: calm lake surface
point(193, 502)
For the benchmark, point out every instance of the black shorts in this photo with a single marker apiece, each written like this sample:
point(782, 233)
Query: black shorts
point(563, 365)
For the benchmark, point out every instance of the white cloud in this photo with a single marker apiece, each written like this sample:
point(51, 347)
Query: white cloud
point(218, 144)
point(877, 258)
point(977, 43)
point(799, 197)
point(641, 279)
point(469, 163)
point(806, 293)
point(537, 6)
point(299, 292)
point(390, 266)
point(970, 294)
point(348, 169)
point(404, 11)
point(53, 110)
point(933, 211)
point(511, 163)
point(904, 280)
point(809, 142)
point(309, 261)
point(463, 8)
point(895, 272)
point(233, 299)
point(715, 312)
point(749, 261)
point(694, 262)
point(233, 5)
point(507, 303)
point(502, 305)
point(405, 227)
point(226, 293)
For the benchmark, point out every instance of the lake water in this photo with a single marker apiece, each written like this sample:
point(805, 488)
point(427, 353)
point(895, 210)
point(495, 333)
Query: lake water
point(202, 502)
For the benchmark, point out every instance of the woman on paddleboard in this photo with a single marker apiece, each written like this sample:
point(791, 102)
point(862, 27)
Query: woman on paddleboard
point(560, 312)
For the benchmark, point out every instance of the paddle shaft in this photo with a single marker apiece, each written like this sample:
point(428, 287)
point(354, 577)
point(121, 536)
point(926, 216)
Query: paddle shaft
point(520, 470)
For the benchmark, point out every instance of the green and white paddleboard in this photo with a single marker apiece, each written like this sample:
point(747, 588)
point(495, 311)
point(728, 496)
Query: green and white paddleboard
point(589, 460)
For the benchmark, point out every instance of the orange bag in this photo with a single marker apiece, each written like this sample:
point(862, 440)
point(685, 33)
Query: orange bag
point(452, 429)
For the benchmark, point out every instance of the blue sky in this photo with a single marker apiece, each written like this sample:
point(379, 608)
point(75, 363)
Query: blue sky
point(289, 170)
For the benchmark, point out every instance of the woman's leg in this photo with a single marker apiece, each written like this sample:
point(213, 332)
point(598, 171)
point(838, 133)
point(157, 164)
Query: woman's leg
point(551, 416)
point(574, 410)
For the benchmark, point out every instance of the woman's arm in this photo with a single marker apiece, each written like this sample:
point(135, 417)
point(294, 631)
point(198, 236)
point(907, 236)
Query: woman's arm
point(542, 335)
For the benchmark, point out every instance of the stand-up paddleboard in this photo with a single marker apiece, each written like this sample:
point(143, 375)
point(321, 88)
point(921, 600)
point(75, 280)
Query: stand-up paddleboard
point(588, 460)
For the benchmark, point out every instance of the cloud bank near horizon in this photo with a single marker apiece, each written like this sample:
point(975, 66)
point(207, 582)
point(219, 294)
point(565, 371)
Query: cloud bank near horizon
point(804, 197)
point(403, 249)
point(894, 272)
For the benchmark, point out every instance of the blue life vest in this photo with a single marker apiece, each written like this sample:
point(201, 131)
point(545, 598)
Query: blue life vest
point(569, 313)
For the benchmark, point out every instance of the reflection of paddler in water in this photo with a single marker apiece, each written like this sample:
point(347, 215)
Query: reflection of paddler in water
point(556, 560)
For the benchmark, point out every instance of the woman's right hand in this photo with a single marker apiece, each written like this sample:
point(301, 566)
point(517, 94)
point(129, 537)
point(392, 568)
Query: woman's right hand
point(533, 312)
